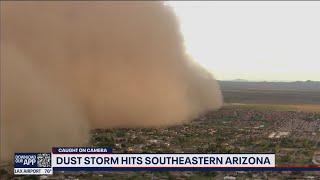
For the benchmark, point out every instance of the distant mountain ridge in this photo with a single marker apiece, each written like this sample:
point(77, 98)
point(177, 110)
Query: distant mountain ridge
point(265, 85)
point(245, 80)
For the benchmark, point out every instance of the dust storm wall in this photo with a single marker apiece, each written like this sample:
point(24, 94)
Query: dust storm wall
point(68, 67)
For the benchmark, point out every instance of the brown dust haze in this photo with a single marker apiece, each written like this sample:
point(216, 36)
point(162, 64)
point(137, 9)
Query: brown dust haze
point(68, 67)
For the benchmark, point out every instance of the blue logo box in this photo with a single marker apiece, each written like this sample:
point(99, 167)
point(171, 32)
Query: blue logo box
point(32, 160)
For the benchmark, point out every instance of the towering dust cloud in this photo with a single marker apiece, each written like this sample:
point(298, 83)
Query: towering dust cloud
point(67, 67)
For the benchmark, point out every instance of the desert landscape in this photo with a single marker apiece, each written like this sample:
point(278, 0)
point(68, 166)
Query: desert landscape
point(274, 123)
